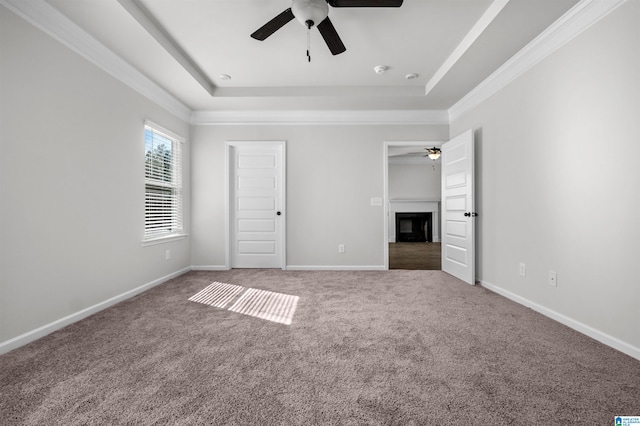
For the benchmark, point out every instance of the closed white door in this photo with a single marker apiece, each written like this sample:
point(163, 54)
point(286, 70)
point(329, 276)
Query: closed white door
point(458, 208)
point(256, 204)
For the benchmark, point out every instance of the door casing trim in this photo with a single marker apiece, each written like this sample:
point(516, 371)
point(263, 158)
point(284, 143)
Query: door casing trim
point(228, 145)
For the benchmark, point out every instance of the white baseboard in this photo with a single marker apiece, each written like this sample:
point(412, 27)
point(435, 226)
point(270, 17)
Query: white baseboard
point(39, 332)
point(598, 335)
point(299, 268)
point(210, 268)
point(335, 268)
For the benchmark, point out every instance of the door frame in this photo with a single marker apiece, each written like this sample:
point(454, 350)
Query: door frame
point(229, 145)
point(385, 176)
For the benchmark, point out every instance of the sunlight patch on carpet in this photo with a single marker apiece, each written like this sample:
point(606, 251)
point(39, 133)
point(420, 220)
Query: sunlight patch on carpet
point(267, 305)
point(217, 294)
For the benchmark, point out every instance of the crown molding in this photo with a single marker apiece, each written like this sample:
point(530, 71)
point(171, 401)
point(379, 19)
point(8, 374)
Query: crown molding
point(48, 19)
point(485, 20)
point(579, 18)
point(321, 117)
point(145, 18)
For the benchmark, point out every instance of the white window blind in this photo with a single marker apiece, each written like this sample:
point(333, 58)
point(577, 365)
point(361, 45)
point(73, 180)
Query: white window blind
point(163, 182)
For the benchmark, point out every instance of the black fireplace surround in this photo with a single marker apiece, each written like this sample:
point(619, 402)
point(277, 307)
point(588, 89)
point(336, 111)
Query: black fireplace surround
point(413, 227)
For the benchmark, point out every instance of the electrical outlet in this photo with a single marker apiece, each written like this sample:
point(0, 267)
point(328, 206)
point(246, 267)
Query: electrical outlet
point(167, 255)
point(553, 278)
point(340, 248)
point(523, 270)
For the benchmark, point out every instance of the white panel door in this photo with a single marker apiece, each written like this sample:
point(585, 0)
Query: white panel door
point(256, 200)
point(458, 208)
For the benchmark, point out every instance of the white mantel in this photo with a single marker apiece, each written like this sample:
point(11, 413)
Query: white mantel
point(415, 206)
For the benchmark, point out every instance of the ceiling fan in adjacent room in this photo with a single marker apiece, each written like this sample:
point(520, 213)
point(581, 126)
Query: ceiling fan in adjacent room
point(316, 13)
point(433, 153)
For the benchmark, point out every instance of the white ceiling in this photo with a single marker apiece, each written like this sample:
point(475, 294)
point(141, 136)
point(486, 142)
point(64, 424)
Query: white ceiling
point(452, 44)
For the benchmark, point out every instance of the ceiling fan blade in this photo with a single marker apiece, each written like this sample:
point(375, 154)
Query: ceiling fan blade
point(273, 25)
point(365, 3)
point(331, 37)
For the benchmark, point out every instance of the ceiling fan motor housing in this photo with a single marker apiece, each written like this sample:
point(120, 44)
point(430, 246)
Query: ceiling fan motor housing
point(310, 10)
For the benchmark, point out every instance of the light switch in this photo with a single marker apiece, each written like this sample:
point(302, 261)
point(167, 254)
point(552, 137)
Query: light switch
point(376, 202)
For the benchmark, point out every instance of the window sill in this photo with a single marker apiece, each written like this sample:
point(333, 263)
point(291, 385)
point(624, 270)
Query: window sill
point(164, 239)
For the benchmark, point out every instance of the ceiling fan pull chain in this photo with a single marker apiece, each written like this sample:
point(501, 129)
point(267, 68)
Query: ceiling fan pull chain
point(308, 42)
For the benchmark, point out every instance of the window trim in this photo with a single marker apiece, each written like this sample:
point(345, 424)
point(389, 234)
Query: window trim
point(164, 239)
point(178, 234)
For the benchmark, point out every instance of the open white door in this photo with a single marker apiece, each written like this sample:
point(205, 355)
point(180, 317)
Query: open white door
point(458, 208)
point(256, 201)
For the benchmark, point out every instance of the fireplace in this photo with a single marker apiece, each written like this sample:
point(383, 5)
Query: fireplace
point(413, 206)
point(413, 227)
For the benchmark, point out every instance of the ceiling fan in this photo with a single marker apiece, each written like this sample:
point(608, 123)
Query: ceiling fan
point(315, 12)
point(433, 153)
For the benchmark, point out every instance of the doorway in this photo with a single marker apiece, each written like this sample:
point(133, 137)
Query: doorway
point(412, 189)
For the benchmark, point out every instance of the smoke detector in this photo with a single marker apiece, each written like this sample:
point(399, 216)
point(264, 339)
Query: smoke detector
point(380, 69)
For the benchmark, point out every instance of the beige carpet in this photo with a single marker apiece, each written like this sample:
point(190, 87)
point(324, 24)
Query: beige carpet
point(364, 348)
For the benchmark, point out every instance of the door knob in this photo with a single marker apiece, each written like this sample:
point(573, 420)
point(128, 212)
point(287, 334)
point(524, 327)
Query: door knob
point(467, 214)
point(278, 213)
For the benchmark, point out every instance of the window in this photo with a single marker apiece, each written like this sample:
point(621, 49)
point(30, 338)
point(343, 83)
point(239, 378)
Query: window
point(163, 183)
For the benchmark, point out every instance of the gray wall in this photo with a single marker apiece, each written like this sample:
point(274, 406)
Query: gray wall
point(414, 181)
point(557, 165)
point(71, 184)
point(332, 174)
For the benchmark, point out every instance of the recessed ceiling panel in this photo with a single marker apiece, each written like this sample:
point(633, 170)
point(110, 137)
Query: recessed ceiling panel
point(416, 38)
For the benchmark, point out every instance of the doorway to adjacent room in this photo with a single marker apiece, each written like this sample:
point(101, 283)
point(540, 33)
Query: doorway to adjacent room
point(412, 189)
